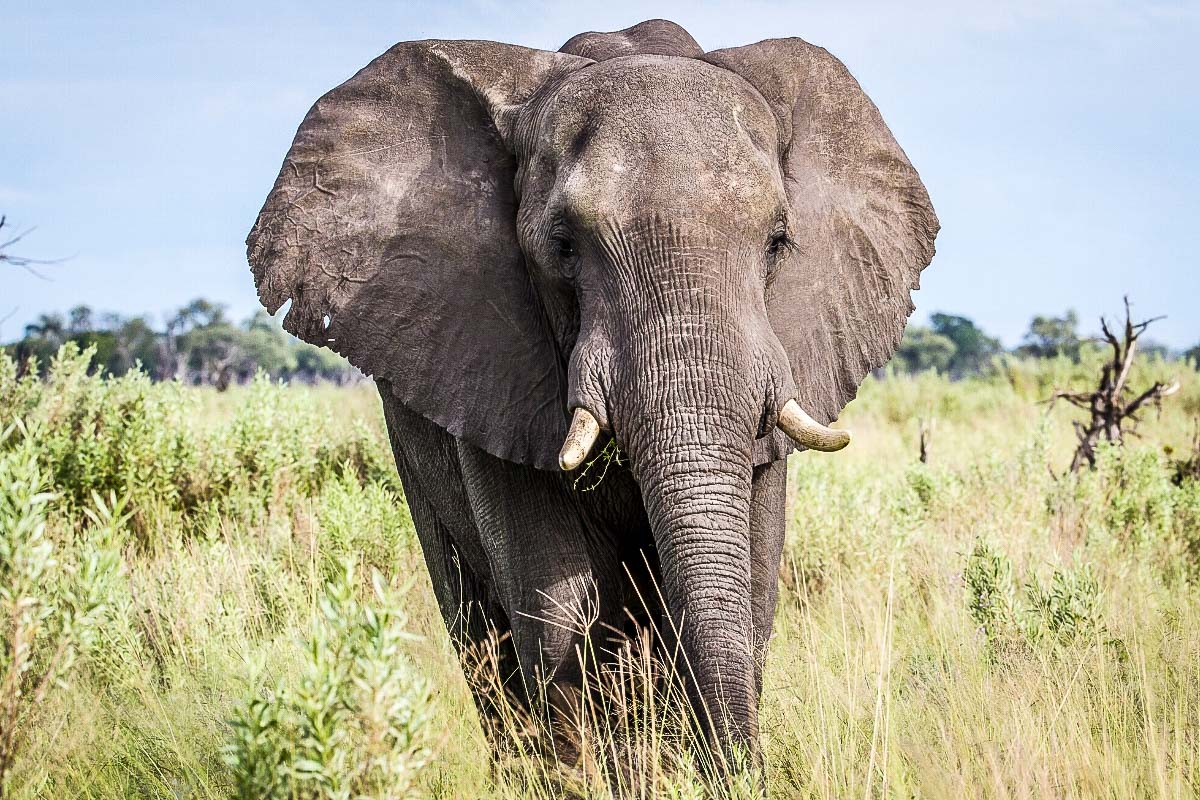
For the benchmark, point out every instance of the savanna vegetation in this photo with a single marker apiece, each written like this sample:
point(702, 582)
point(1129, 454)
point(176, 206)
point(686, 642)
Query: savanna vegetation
point(220, 595)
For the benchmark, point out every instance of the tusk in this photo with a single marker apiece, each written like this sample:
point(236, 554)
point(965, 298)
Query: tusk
point(580, 438)
point(806, 431)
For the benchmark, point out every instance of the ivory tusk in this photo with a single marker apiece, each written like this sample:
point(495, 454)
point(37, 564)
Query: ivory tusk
point(805, 430)
point(581, 436)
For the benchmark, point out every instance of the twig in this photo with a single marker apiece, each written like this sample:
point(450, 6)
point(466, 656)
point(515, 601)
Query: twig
point(22, 261)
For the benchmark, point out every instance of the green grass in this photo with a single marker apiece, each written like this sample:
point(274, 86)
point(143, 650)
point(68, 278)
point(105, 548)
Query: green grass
point(977, 626)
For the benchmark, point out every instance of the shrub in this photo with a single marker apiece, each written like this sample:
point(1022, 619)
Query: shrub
point(1067, 607)
point(991, 594)
point(52, 599)
point(1138, 494)
point(369, 521)
point(245, 503)
point(178, 471)
point(126, 436)
point(353, 724)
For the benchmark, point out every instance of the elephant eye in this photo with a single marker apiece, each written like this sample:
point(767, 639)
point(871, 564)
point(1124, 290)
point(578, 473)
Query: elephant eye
point(564, 247)
point(778, 248)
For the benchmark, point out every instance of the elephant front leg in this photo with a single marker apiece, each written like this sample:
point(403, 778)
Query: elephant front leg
point(478, 626)
point(554, 575)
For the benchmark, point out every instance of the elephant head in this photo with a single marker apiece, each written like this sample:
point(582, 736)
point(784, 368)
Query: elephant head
point(686, 250)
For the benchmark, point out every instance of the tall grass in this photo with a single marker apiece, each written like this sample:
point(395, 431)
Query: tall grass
point(179, 619)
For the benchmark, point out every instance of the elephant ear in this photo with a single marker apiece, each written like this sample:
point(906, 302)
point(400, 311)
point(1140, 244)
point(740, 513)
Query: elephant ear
point(859, 213)
point(391, 229)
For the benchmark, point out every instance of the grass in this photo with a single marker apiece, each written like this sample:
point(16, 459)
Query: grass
point(977, 626)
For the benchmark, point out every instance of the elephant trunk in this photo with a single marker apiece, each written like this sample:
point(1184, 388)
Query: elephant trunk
point(699, 513)
point(688, 422)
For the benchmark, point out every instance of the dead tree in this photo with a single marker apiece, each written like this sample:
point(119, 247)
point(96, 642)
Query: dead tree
point(1111, 415)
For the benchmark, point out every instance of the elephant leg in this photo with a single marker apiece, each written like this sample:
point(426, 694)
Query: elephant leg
point(557, 577)
point(426, 459)
point(768, 526)
point(478, 626)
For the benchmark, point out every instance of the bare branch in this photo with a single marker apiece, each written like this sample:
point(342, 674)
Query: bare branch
point(1109, 415)
point(23, 262)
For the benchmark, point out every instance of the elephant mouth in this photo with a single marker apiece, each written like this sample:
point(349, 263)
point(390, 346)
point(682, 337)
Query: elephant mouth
point(793, 420)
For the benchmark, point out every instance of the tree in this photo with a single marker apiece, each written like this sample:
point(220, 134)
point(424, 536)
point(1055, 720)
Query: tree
point(316, 363)
point(11, 258)
point(51, 327)
point(973, 349)
point(79, 320)
point(42, 339)
point(135, 343)
point(1049, 337)
point(1193, 355)
point(176, 356)
point(922, 349)
point(1110, 415)
point(6, 255)
point(267, 346)
point(199, 313)
point(213, 352)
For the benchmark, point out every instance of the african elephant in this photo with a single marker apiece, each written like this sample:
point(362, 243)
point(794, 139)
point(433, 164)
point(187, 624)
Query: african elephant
point(697, 255)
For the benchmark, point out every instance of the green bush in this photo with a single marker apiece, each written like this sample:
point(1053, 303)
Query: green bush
point(936, 633)
point(352, 724)
point(367, 521)
point(1069, 606)
point(1139, 498)
point(178, 471)
point(1066, 607)
point(53, 597)
point(991, 593)
point(128, 436)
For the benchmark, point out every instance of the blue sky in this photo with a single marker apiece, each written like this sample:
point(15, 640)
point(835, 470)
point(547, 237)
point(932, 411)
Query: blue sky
point(1058, 139)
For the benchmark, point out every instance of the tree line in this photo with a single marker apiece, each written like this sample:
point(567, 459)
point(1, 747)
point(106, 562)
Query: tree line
point(197, 344)
point(956, 346)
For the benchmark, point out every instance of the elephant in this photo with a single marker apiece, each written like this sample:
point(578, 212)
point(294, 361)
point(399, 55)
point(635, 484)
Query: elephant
point(692, 257)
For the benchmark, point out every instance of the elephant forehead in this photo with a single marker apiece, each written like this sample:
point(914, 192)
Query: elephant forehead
point(615, 184)
point(659, 98)
point(617, 178)
point(665, 134)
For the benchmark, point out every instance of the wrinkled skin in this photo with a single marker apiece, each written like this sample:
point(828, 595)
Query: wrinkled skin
point(677, 242)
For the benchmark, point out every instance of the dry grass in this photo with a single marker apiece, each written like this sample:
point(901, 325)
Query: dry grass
point(970, 627)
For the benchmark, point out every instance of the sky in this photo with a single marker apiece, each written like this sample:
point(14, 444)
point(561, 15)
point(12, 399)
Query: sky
point(1058, 139)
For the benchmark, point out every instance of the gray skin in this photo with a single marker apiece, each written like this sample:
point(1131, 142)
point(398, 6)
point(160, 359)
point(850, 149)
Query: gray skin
point(678, 242)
